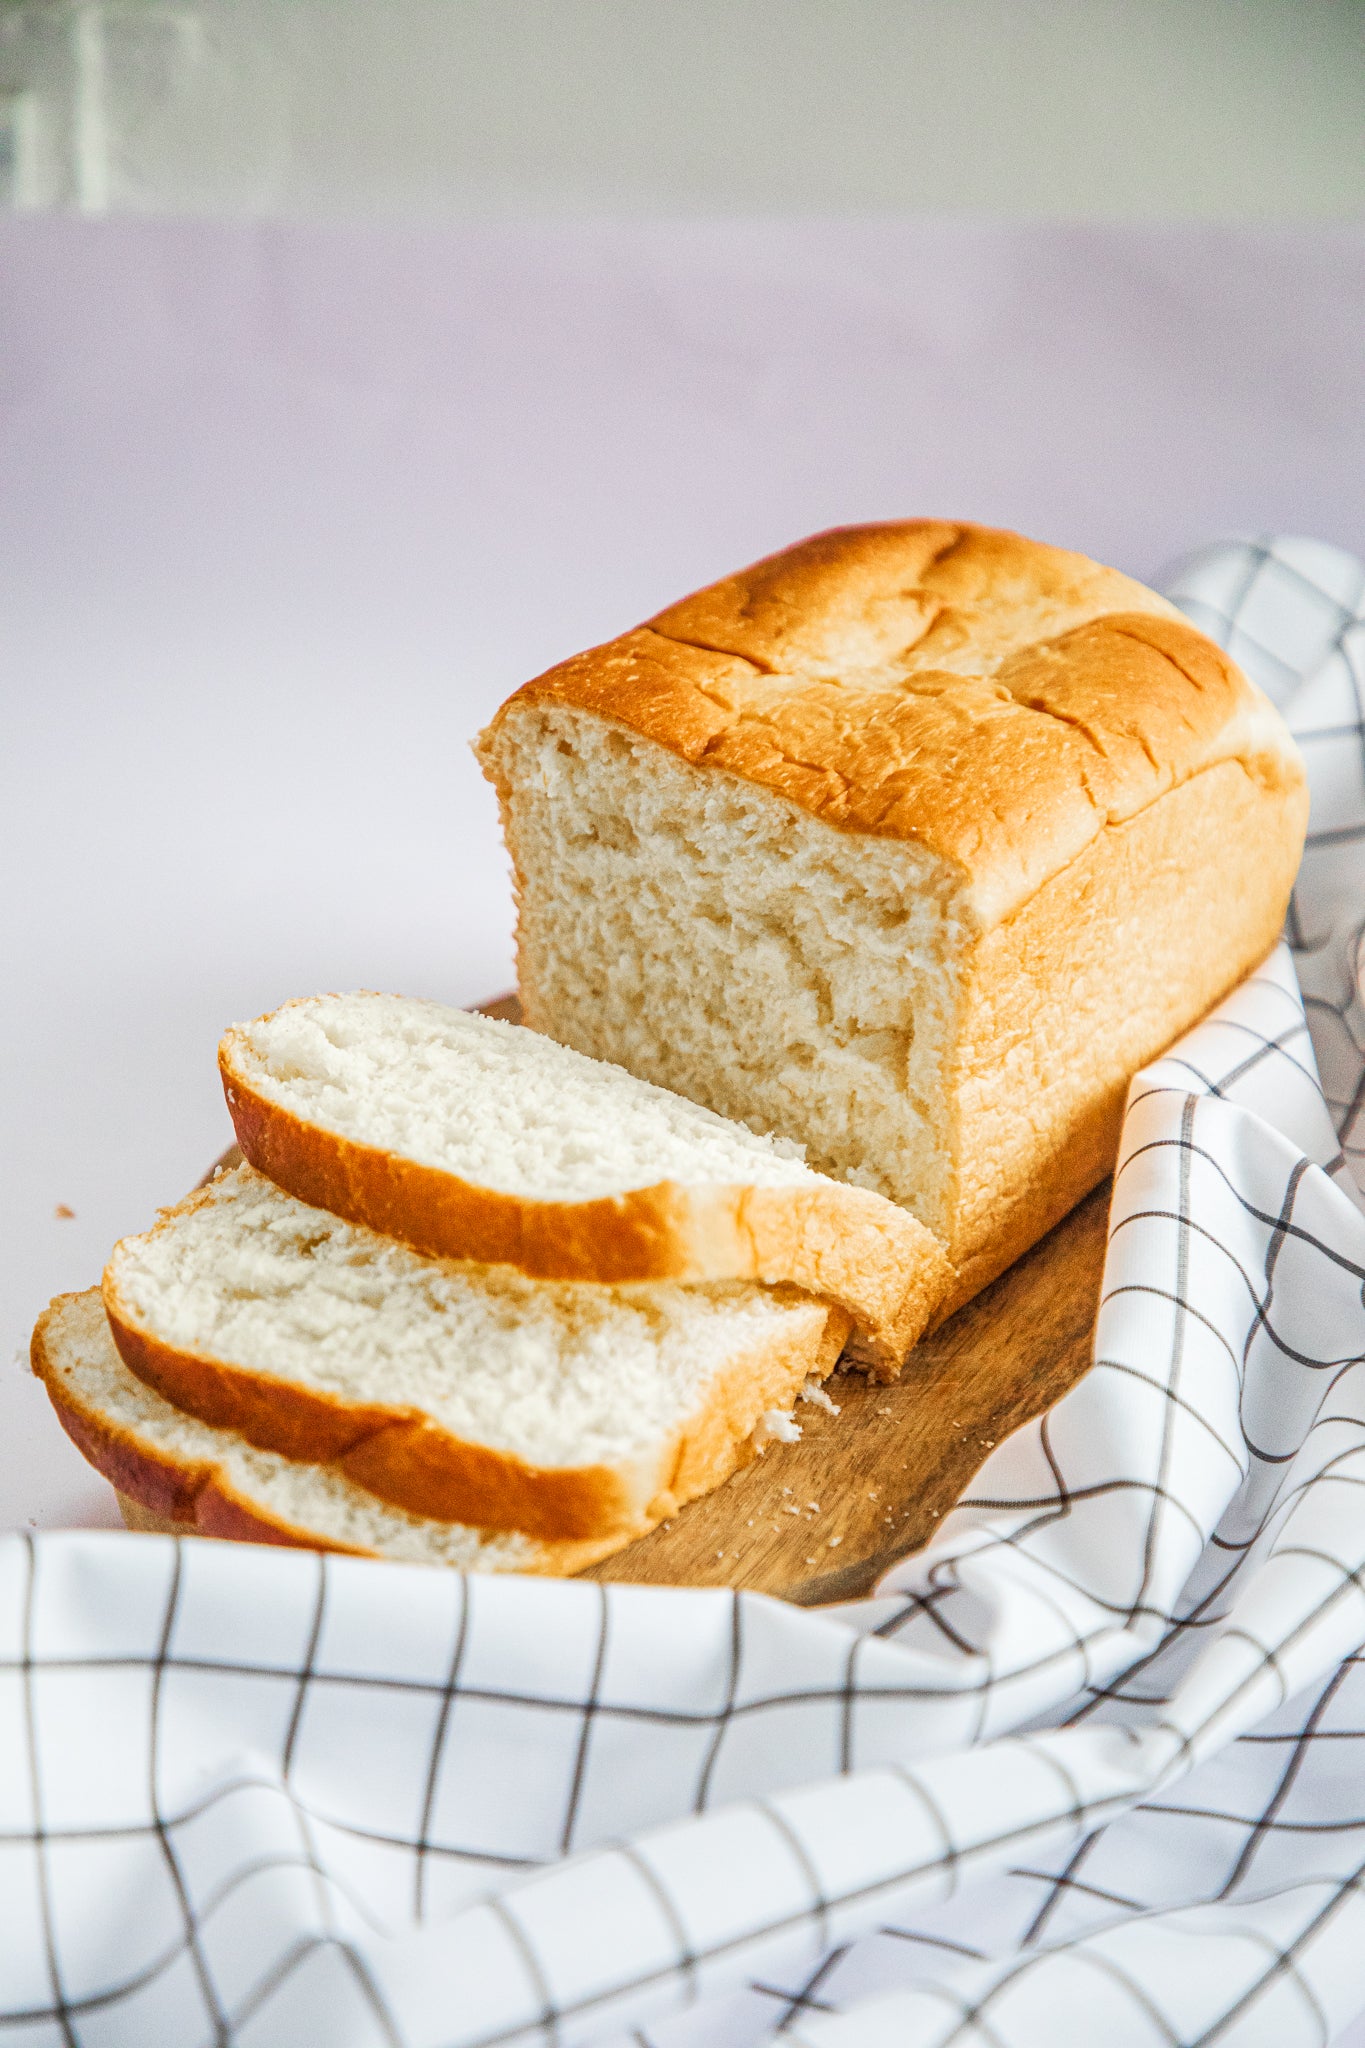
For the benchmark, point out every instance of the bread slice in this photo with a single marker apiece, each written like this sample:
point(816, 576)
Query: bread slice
point(460, 1392)
point(911, 843)
point(473, 1139)
point(173, 1472)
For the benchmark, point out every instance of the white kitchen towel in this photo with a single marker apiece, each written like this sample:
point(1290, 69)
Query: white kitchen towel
point(1089, 1768)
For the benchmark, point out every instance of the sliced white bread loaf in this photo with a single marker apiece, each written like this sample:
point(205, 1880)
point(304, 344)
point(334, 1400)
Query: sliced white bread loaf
point(461, 1392)
point(173, 1472)
point(474, 1139)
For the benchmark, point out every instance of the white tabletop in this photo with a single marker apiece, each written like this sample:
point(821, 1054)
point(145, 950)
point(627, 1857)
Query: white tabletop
point(289, 510)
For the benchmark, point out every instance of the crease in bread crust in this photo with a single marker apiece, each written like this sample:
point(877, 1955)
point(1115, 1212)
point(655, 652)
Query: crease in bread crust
point(186, 1477)
point(844, 1244)
point(406, 1456)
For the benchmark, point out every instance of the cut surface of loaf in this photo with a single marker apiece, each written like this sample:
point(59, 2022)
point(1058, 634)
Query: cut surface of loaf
point(457, 1391)
point(912, 844)
point(185, 1474)
point(474, 1139)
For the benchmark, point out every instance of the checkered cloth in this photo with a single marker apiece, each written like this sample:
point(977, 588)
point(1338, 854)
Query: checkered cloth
point(1090, 1768)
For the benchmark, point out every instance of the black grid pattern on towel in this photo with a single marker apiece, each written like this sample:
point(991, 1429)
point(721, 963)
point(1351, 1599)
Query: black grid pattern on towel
point(1292, 612)
point(1096, 1753)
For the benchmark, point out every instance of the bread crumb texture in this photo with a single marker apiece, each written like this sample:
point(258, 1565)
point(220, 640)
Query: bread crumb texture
point(552, 1373)
point(494, 1105)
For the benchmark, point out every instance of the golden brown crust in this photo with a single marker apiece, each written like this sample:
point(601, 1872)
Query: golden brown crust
point(199, 1497)
point(998, 702)
point(912, 594)
point(215, 1515)
point(843, 1244)
point(1046, 1054)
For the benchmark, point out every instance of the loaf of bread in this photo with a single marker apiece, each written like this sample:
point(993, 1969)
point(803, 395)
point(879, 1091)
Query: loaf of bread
point(910, 844)
point(472, 1139)
point(175, 1473)
point(458, 1392)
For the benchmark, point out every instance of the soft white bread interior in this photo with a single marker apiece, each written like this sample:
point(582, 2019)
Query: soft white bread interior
point(473, 1139)
point(179, 1473)
point(457, 1391)
point(911, 844)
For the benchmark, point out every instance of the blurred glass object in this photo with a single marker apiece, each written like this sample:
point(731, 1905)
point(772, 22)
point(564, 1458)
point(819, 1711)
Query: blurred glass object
point(133, 108)
point(1085, 109)
point(21, 180)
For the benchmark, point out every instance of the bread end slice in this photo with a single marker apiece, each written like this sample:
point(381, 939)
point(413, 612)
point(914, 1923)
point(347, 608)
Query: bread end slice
point(175, 1474)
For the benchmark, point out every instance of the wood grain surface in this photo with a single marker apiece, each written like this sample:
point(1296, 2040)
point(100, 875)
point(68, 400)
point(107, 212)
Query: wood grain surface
point(821, 1519)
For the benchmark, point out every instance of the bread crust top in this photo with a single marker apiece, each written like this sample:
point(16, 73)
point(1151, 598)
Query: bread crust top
point(996, 701)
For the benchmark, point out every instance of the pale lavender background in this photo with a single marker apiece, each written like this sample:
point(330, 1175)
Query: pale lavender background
point(288, 510)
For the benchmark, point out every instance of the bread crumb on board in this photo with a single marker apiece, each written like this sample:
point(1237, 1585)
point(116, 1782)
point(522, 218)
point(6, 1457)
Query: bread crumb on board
point(775, 1426)
point(813, 1392)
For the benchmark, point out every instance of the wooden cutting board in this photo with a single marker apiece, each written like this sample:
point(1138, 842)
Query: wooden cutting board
point(821, 1519)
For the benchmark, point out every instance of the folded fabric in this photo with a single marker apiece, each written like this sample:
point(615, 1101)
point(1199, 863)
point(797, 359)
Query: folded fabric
point(1088, 1768)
